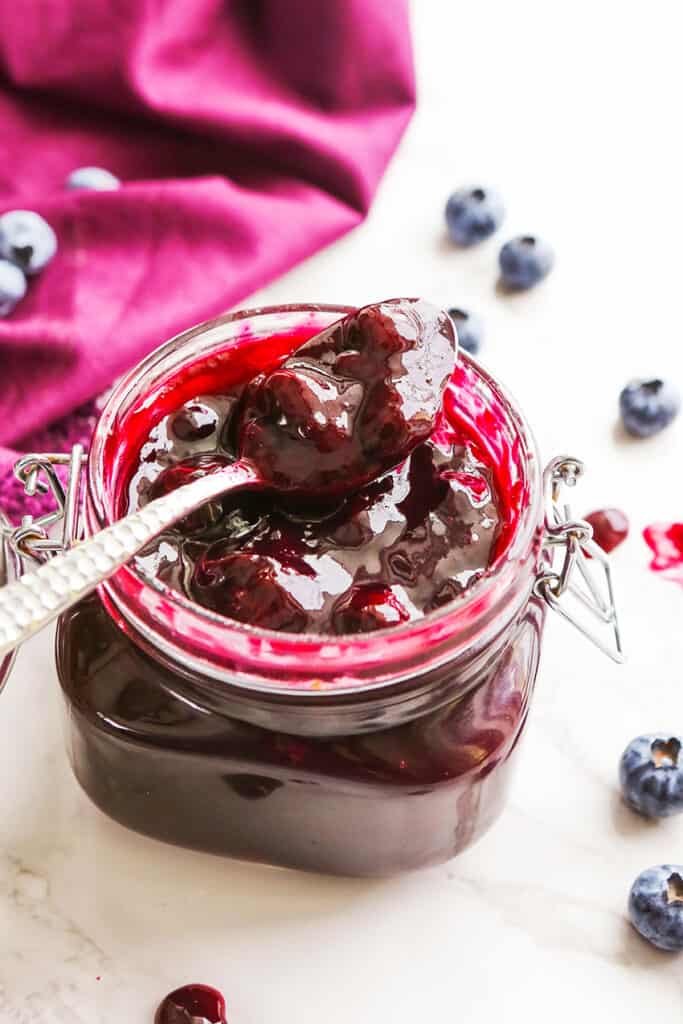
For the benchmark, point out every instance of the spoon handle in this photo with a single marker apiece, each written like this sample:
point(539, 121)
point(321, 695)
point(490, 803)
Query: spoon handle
point(36, 598)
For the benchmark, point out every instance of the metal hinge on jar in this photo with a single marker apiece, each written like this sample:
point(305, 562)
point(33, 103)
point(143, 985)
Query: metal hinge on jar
point(36, 539)
point(581, 560)
point(57, 530)
point(578, 584)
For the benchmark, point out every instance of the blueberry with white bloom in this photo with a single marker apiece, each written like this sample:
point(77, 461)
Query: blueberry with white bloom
point(648, 406)
point(97, 179)
point(655, 906)
point(12, 286)
point(27, 239)
point(474, 213)
point(469, 328)
point(651, 775)
point(524, 261)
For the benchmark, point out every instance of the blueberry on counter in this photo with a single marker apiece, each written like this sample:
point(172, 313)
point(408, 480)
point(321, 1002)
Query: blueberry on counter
point(648, 406)
point(524, 261)
point(97, 179)
point(651, 775)
point(470, 329)
point(12, 286)
point(655, 906)
point(472, 214)
point(27, 239)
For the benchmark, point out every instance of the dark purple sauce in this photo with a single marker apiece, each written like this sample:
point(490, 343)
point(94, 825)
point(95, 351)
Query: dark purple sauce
point(401, 546)
point(352, 402)
point(304, 555)
point(192, 1004)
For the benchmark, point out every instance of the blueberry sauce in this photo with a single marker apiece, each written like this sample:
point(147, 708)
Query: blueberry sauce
point(352, 402)
point(192, 1004)
point(413, 538)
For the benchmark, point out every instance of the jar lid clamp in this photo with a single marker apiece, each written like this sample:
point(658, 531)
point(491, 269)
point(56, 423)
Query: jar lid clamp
point(583, 580)
point(37, 539)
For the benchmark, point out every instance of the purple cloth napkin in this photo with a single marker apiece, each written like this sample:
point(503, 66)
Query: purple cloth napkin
point(247, 133)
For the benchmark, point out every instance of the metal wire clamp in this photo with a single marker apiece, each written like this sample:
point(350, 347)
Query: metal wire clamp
point(37, 539)
point(580, 580)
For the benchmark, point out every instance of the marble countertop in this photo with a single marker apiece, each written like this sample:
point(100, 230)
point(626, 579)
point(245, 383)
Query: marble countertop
point(96, 923)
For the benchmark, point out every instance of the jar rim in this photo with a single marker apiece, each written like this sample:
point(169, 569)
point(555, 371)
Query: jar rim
point(130, 595)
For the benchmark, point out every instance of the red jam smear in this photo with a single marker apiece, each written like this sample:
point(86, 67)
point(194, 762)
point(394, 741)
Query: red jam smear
point(665, 540)
point(405, 544)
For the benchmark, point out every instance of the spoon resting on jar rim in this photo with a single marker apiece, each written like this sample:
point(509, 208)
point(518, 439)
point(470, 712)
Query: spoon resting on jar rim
point(342, 410)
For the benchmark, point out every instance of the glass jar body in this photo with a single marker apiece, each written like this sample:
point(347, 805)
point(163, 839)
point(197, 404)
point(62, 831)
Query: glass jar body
point(360, 755)
point(152, 755)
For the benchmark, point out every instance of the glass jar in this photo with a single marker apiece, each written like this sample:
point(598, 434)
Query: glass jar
point(357, 755)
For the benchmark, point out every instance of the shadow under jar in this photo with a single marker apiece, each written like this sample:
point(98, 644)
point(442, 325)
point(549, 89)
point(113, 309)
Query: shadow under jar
point(364, 754)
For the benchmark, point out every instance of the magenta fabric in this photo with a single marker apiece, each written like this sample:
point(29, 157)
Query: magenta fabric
point(248, 134)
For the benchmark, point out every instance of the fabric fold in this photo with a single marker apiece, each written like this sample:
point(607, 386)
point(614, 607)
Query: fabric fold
point(247, 136)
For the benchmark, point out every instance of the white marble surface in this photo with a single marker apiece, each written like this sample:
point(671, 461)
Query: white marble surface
point(574, 117)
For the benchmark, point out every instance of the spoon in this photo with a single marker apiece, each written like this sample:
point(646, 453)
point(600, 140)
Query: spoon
point(343, 409)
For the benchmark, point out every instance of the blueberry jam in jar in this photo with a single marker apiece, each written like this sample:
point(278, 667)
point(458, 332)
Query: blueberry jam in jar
point(335, 685)
point(367, 558)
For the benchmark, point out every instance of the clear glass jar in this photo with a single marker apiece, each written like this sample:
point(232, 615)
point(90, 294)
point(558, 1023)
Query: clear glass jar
point(359, 755)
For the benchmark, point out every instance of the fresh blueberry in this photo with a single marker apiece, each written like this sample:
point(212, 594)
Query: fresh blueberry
point(94, 178)
point(524, 261)
point(648, 406)
point(651, 775)
point(12, 286)
point(472, 214)
point(27, 240)
point(470, 329)
point(655, 906)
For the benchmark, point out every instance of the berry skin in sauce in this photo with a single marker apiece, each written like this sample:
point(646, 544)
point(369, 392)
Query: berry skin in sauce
point(410, 540)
